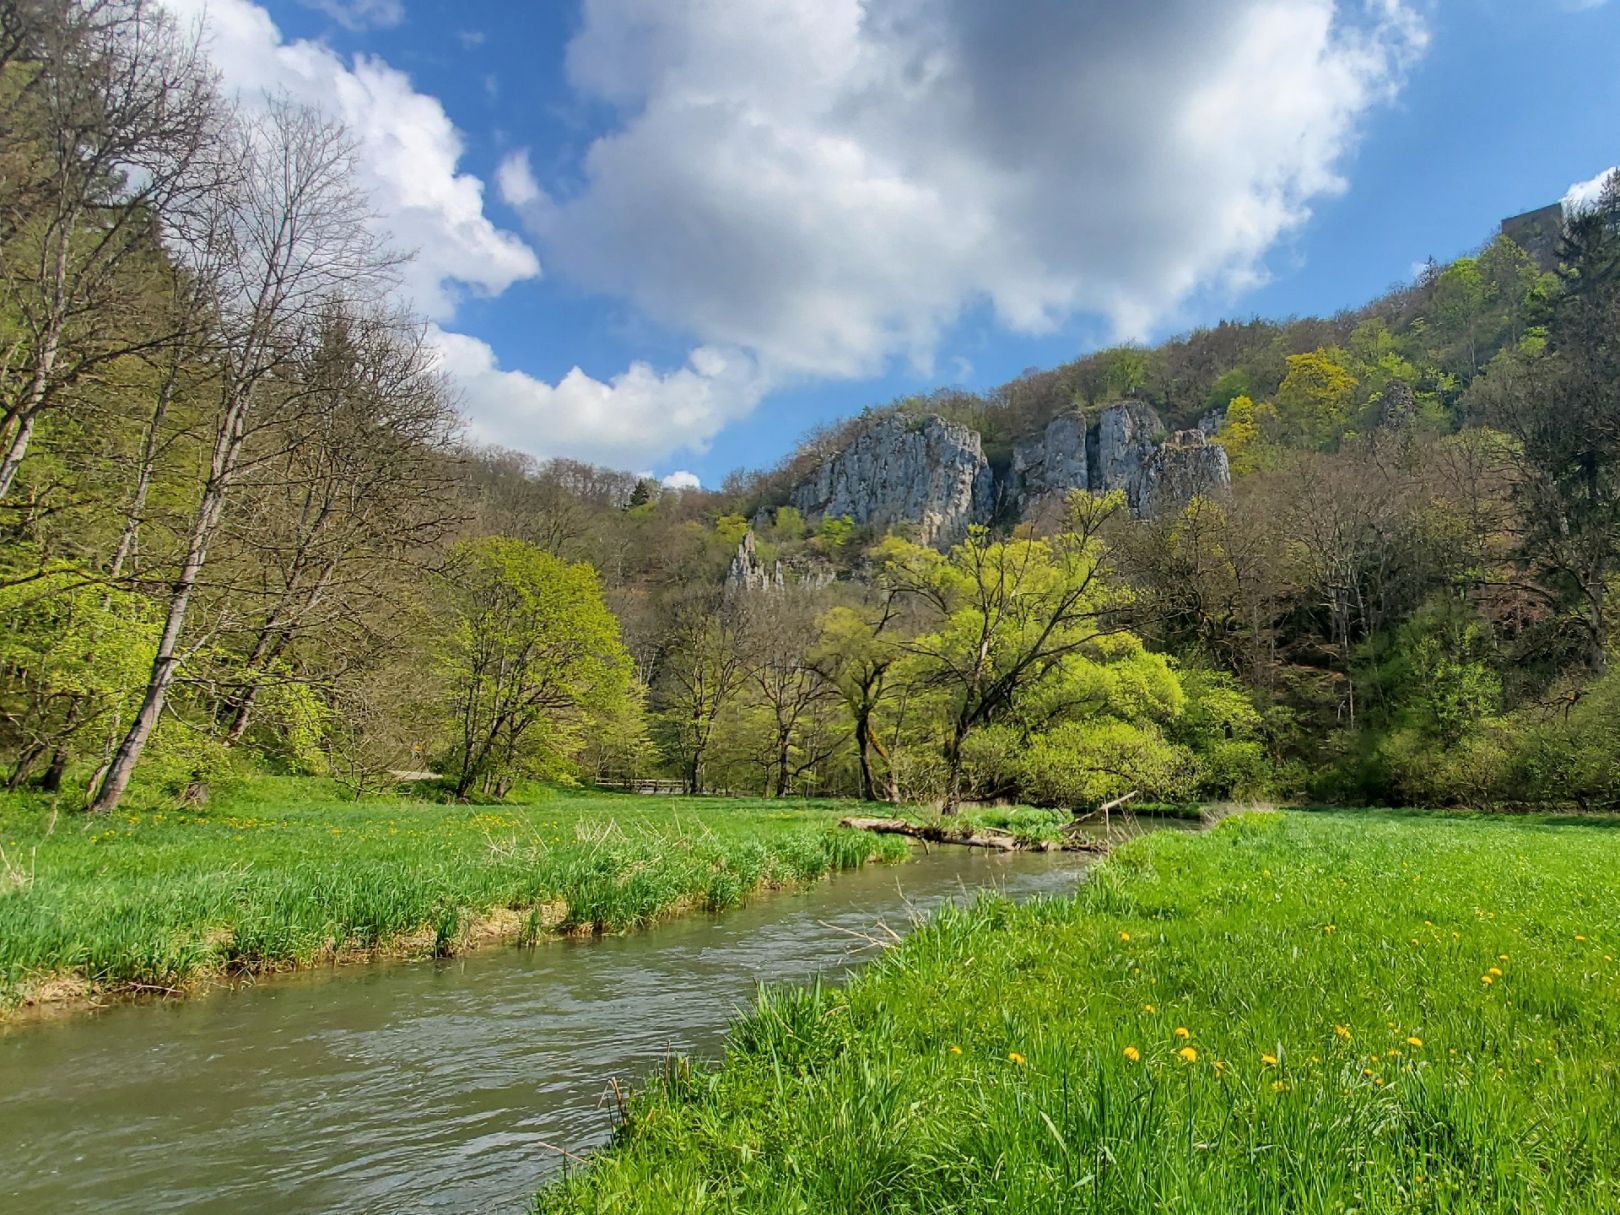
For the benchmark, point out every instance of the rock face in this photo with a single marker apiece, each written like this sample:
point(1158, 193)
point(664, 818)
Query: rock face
point(933, 474)
point(1052, 462)
point(928, 473)
point(1127, 435)
point(748, 573)
point(1186, 466)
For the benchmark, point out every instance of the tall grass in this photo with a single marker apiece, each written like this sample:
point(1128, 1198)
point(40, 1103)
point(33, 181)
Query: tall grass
point(285, 875)
point(1302, 1013)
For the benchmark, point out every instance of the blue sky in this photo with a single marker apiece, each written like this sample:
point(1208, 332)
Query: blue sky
point(674, 236)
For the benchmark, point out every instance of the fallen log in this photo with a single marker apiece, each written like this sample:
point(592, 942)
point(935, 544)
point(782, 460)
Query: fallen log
point(970, 837)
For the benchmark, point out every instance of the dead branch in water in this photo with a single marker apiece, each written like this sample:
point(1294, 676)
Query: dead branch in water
point(970, 837)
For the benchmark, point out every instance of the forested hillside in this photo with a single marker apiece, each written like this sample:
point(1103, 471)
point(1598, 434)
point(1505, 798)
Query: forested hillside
point(240, 529)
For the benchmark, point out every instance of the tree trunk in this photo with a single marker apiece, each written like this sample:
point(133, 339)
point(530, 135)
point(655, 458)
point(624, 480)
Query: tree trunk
point(863, 753)
point(51, 782)
point(130, 536)
point(953, 777)
point(28, 410)
point(782, 765)
point(167, 661)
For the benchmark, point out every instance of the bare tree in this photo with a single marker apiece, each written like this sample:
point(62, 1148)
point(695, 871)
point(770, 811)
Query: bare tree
point(361, 489)
point(110, 118)
point(290, 233)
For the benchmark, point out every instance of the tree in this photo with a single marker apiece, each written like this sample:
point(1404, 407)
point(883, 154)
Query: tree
point(360, 487)
point(776, 655)
point(1314, 401)
point(1008, 613)
point(1460, 296)
point(287, 231)
point(856, 652)
point(531, 657)
point(110, 117)
point(1565, 417)
point(700, 672)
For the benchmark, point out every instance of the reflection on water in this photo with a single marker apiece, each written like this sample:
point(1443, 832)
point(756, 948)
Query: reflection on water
point(420, 1087)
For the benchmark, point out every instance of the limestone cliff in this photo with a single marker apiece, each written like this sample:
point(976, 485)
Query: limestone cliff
point(926, 472)
point(1051, 462)
point(1185, 466)
point(933, 475)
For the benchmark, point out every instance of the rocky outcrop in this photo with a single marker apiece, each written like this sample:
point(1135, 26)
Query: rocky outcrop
point(926, 472)
point(1186, 466)
point(932, 474)
point(1051, 463)
point(1128, 433)
point(747, 572)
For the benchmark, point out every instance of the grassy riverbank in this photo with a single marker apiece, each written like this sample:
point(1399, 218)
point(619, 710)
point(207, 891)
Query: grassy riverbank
point(1316, 1013)
point(285, 873)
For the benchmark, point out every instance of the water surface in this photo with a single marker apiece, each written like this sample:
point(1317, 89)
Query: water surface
point(435, 1086)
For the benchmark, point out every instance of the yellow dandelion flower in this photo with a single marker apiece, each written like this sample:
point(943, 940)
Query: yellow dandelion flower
point(1486, 979)
point(1501, 957)
point(1415, 941)
point(1330, 928)
point(1134, 1055)
point(1269, 1060)
point(1124, 936)
point(1414, 1041)
point(1183, 1032)
point(1393, 1053)
point(1147, 1008)
point(1343, 1031)
point(1016, 1057)
point(956, 1050)
point(1579, 937)
point(1220, 1067)
point(1189, 1054)
point(1495, 970)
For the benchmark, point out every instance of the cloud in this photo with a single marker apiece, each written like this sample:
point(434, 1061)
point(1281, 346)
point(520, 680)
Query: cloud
point(359, 15)
point(635, 418)
point(829, 184)
point(515, 181)
point(408, 150)
point(681, 479)
point(1583, 195)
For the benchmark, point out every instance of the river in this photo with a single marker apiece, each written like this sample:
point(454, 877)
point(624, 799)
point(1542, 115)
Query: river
point(433, 1086)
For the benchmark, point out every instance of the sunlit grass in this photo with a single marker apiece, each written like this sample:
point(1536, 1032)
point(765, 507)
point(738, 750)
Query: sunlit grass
point(285, 873)
point(1334, 1013)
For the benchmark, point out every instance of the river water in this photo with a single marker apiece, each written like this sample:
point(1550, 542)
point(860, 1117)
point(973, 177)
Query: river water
point(434, 1086)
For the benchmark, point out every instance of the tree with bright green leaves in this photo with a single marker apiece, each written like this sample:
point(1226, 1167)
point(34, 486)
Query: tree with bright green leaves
point(856, 652)
point(1316, 395)
point(75, 656)
point(530, 659)
point(1007, 614)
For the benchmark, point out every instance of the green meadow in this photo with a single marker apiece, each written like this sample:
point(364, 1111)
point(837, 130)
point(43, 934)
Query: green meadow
point(286, 872)
point(1347, 1012)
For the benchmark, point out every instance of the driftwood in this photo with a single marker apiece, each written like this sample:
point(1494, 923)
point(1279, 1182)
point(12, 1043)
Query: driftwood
point(1117, 802)
point(970, 837)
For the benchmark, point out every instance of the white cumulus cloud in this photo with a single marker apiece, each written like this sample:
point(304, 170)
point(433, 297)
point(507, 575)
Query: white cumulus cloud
point(632, 419)
point(408, 149)
point(830, 183)
point(680, 479)
point(1584, 194)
